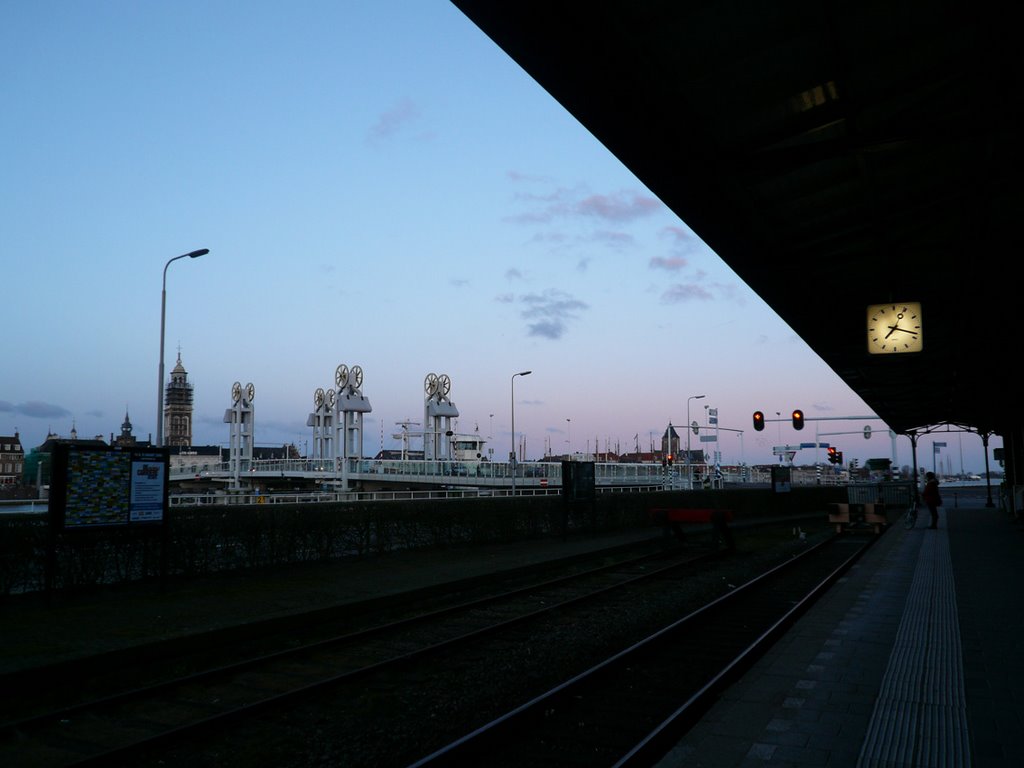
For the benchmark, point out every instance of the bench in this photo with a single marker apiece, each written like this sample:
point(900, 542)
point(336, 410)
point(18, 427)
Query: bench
point(845, 515)
point(672, 517)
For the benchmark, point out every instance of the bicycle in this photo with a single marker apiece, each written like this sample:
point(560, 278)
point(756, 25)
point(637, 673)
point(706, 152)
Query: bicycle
point(910, 519)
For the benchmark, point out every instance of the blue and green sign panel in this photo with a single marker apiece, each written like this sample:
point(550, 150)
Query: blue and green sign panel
point(99, 486)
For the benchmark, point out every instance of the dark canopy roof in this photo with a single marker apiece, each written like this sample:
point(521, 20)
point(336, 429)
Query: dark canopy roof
point(834, 155)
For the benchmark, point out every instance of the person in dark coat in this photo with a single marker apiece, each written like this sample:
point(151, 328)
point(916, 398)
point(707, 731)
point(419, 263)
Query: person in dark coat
point(930, 496)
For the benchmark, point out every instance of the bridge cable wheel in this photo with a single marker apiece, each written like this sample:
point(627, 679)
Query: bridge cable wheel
point(250, 391)
point(318, 397)
point(236, 391)
point(430, 383)
point(330, 398)
point(341, 376)
point(357, 376)
point(445, 384)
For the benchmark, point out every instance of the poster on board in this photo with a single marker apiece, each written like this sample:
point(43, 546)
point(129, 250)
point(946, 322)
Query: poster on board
point(102, 486)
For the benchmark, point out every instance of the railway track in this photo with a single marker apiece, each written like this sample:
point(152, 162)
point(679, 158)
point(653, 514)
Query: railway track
point(138, 725)
point(631, 708)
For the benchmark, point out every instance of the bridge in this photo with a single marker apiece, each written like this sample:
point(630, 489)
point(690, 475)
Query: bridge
point(306, 480)
point(385, 472)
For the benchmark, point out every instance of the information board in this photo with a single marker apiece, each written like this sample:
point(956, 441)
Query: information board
point(95, 486)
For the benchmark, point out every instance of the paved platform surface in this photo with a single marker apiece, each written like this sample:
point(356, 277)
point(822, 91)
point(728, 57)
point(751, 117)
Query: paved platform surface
point(915, 658)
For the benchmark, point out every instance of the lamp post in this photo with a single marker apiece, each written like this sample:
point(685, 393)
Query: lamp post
point(689, 467)
point(163, 312)
point(521, 373)
point(568, 437)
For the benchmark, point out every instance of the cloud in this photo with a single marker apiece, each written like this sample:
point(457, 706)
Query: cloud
point(505, 298)
point(619, 207)
point(35, 410)
point(680, 293)
point(548, 313)
point(513, 274)
point(563, 202)
point(697, 290)
point(615, 239)
point(671, 264)
point(458, 282)
point(678, 234)
point(519, 176)
point(394, 119)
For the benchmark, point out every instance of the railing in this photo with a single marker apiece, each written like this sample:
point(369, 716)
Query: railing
point(444, 472)
point(28, 506)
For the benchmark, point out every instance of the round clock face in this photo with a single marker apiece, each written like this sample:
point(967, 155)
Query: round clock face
point(894, 328)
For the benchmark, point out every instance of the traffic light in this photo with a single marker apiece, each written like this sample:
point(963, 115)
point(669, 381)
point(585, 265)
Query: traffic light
point(839, 457)
point(758, 421)
point(831, 455)
point(798, 419)
point(670, 459)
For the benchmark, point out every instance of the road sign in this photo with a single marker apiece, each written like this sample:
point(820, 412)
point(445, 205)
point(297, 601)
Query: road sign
point(695, 427)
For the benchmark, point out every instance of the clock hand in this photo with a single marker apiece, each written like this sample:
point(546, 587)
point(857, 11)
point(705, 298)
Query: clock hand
point(897, 328)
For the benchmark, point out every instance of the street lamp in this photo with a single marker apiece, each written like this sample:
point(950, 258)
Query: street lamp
point(163, 311)
point(568, 437)
point(689, 467)
point(521, 373)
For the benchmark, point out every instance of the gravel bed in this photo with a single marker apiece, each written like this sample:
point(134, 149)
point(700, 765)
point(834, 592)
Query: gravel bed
point(433, 712)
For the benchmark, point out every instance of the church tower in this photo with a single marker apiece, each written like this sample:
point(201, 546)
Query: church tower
point(178, 408)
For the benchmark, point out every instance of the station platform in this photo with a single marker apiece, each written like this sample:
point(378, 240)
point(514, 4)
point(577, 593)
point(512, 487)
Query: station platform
point(914, 658)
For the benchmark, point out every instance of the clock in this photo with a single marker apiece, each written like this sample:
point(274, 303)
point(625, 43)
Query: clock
point(894, 328)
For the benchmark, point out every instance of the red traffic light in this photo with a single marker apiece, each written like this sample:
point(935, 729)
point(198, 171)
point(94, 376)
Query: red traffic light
point(798, 419)
point(758, 421)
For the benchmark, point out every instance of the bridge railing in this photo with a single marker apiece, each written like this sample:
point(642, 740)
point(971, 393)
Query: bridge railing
point(531, 472)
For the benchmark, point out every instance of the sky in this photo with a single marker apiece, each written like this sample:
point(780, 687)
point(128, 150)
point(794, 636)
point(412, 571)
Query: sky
point(378, 185)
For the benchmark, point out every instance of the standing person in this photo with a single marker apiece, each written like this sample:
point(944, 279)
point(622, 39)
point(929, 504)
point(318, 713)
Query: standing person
point(931, 497)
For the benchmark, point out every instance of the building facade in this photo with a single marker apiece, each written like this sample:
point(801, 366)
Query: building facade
point(12, 459)
point(178, 408)
point(127, 438)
